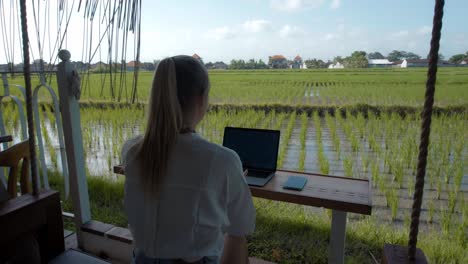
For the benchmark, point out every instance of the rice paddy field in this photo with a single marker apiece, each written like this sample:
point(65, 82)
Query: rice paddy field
point(352, 123)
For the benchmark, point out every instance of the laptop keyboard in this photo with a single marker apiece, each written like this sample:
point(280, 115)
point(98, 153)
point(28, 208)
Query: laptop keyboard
point(260, 174)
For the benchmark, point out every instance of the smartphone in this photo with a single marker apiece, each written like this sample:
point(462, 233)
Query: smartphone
point(296, 183)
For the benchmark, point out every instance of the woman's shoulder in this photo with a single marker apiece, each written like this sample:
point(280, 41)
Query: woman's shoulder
point(222, 153)
point(129, 147)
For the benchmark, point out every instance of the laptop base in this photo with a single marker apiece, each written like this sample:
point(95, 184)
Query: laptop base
point(255, 181)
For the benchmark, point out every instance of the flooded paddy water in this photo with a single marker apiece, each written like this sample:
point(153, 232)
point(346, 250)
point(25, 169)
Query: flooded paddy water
point(380, 148)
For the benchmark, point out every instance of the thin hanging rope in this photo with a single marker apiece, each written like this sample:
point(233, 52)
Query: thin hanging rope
point(27, 81)
point(425, 127)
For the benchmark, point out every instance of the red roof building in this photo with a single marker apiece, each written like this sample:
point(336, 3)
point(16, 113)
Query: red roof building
point(277, 57)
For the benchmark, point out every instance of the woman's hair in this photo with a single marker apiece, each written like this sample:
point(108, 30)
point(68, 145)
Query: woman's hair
point(176, 82)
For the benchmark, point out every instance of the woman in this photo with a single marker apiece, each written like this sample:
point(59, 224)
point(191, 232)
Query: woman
point(185, 198)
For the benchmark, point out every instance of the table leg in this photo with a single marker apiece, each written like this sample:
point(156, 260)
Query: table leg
point(337, 238)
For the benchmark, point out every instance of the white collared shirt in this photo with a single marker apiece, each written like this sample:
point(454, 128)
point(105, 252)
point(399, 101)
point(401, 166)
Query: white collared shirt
point(203, 197)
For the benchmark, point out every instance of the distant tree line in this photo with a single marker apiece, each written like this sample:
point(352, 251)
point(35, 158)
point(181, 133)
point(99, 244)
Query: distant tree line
point(248, 65)
point(457, 58)
point(316, 63)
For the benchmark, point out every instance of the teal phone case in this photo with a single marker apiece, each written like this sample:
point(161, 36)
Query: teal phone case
point(295, 183)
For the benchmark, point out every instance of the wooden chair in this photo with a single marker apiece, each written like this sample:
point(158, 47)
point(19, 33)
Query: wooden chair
point(34, 220)
point(11, 158)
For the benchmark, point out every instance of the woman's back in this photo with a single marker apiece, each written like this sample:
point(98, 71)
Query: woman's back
point(202, 196)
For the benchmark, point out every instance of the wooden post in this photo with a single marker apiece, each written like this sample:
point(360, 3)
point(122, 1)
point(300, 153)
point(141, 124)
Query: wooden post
point(69, 84)
point(336, 249)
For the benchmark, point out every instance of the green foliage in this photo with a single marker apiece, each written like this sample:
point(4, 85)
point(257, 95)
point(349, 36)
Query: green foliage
point(401, 55)
point(457, 58)
point(249, 65)
point(375, 55)
point(357, 59)
point(315, 64)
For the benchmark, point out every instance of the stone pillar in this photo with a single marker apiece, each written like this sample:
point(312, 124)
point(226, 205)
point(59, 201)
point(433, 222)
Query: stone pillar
point(68, 82)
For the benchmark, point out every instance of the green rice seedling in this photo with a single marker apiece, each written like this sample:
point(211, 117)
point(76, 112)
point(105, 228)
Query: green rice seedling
point(360, 123)
point(375, 171)
point(430, 211)
point(109, 162)
point(302, 138)
point(398, 172)
point(336, 144)
point(447, 170)
point(387, 161)
point(457, 180)
point(334, 134)
point(464, 210)
point(372, 142)
point(51, 117)
point(406, 220)
point(365, 162)
point(323, 161)
point(391, 195)
point(445, 220)
point(355, 143)
point(394, 203)
point(348, 165)
point(438, 188)
point(382, 185)
point(452, 200)
point(286, 138)
point(410, 184)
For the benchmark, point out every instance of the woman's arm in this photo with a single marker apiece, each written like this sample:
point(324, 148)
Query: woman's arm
point(235, 250)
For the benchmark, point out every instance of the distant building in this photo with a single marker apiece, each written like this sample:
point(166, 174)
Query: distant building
point(336, 65)
point(219, 65)
point(98, 65)
point(277, 62)
point(131, 66)
point(147, 66)
point(297, 63)
point(379, 63)
point(5, 68)
point(424, 63)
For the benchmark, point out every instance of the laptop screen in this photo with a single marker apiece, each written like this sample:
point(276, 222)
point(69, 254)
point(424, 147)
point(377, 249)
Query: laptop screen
point(257, 148)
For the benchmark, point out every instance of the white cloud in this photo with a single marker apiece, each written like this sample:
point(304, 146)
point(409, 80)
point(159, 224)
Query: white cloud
point(288, 31)
point(424, 30)
point(399, 34)
point(256, 26)
point(220, 33)
point(335, 4)
point(294, 5)
point(330, 36)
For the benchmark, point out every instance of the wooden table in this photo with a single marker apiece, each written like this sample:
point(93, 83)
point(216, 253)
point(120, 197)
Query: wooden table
point(340, 194)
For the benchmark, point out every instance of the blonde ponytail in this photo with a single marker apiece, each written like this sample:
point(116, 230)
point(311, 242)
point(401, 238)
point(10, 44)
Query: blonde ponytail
point(162, 129)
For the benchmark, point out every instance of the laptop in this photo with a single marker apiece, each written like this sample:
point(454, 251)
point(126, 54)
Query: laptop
point(257, 149)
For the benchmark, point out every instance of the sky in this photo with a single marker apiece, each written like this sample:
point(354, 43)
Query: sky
point(243, 29)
